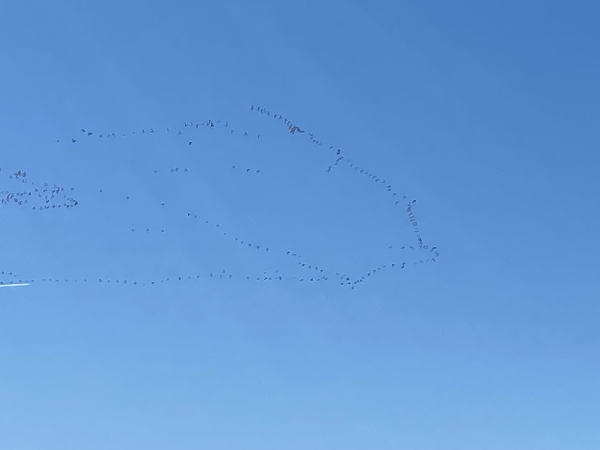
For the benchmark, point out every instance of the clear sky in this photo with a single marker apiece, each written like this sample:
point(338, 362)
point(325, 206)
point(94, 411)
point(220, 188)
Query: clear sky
point(482, 116)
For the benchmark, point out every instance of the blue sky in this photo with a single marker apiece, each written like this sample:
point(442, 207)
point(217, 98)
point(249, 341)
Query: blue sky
point(486, 114)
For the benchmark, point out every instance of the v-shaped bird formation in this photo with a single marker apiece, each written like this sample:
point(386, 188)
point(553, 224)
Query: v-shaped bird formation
point(177, 175)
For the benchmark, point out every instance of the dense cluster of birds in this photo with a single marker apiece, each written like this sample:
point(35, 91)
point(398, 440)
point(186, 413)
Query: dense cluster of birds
point(46, 197)
point(40, 197)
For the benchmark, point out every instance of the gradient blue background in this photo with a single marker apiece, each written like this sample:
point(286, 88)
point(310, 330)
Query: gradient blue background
point(487, 113)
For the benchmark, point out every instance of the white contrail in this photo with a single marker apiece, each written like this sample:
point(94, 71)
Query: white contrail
point(14, 285)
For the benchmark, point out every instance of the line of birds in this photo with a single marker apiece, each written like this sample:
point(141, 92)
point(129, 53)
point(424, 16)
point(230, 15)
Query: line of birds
point(191, 125)
point(414, 224)
point(266, 276)
point(293, 128)
point(231, 236)
point(343, 278)
point(319, 272)
point(8, 273)
point(52, 194)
